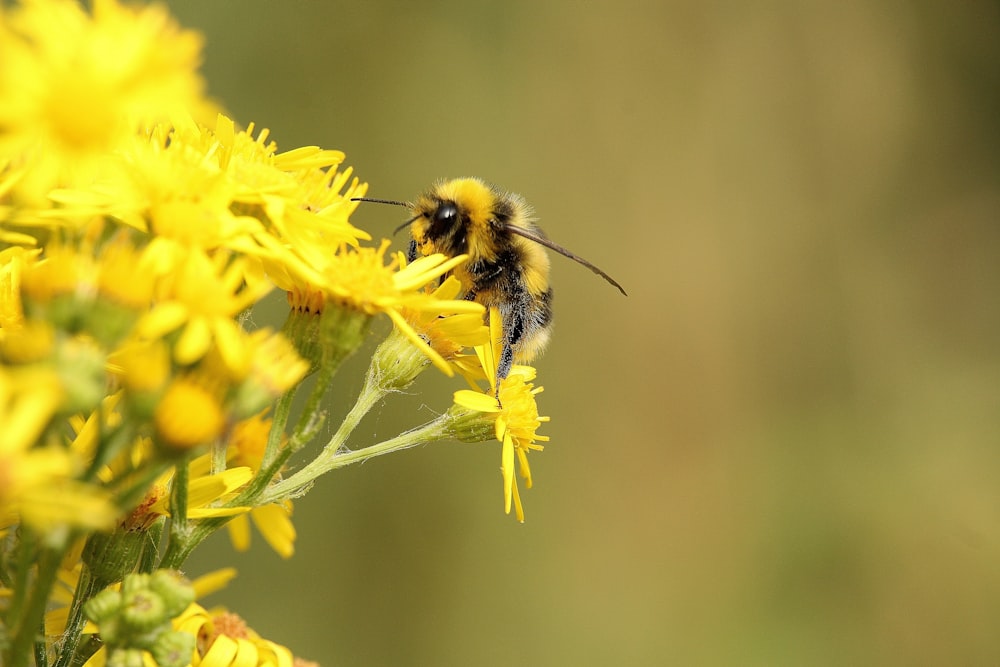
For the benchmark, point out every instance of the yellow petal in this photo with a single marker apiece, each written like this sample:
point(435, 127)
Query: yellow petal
point(221, 653)
point(507, 469)
point(212, 512)
point(239, 533)
point(194, 342)
point(412, 336)
point(246, 654)
point(204, 490)
point(213, 582)
point(277, 528)
point(162, 319)
point(476, 400)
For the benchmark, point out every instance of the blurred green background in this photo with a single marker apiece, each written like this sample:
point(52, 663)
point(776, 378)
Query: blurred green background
point(783, 448)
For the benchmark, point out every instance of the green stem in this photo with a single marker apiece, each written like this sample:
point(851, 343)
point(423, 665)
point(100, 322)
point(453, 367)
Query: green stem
point(25, 631)
point(282, 409)
point(26, 557)
point(86, 588)
point(319, 465)
point(41, 654)
point(331, 458)
point(312, 411)
point(179, 529)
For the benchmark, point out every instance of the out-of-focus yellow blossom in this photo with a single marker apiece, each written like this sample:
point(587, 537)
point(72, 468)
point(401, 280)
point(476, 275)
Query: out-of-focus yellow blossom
point(12, 262)
point(201, 298)
point(37, 485)
point(273, 520)
point(73, 84)
point(187, 416)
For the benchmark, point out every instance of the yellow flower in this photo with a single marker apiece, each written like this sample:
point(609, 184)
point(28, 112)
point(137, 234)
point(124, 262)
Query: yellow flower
point(223, 188)
point(206, 492)
point(203, 295)
point(188, 415)
point(37, 485)
point(124, 275)
point(224, 640)
point(265, 367)
point(272, 520)
point(360, 281)
point(12, 263)
point(456, 324)
point(72, 85)
point(63, 271)
point(142, 366)
point(514, 413)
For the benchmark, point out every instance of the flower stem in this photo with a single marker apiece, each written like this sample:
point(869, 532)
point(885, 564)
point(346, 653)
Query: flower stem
point(332, 457)
point(25, 631)
point(86, 587)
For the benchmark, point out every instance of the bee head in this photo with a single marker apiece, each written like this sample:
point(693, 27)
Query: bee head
point(454, 215)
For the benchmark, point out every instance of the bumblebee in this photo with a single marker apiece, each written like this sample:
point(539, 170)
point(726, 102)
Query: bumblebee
point(508, 267)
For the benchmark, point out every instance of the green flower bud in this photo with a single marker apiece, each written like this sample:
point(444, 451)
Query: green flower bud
point(103, 606)
point(173, 649)
point(125, 657)
point(467, 425)
point(109, 557)
point(144, 610)
point(396, 363)
point(175, 591)
point(135, 582)
point(341, 331)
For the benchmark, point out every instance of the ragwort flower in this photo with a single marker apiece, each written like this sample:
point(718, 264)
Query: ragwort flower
point(360, 281)
point(512, 409)
point(37, 479)
point(73, 84)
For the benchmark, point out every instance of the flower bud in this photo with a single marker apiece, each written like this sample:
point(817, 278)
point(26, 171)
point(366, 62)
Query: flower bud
point(173, 649)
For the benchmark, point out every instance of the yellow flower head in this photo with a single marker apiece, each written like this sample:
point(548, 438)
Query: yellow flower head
point(37, 485)
point(513, 411)
point(267, 367)
point(72, 84)
point(12, 263)
point(188, 415)
point(456, 323)
point(207, 492)
point(64, 271)
point(224, 640)
point(246, 448)
point(202, 297)
point(361, 281)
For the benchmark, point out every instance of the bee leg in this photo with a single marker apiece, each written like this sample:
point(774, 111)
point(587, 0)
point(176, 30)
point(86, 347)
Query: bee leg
point(411, 253)
point(506, 361)
point(513, 330)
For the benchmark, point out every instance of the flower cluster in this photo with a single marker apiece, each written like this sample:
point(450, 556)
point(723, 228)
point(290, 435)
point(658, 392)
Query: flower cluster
point(139, 226)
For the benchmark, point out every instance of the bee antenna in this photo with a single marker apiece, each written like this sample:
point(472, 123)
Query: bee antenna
point(381, 201)
point(406, 224)
point(541, 240)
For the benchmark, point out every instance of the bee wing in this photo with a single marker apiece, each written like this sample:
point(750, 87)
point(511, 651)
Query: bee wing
point(541, 240)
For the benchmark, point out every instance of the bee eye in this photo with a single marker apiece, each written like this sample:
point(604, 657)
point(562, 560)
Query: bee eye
point(445, 215)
